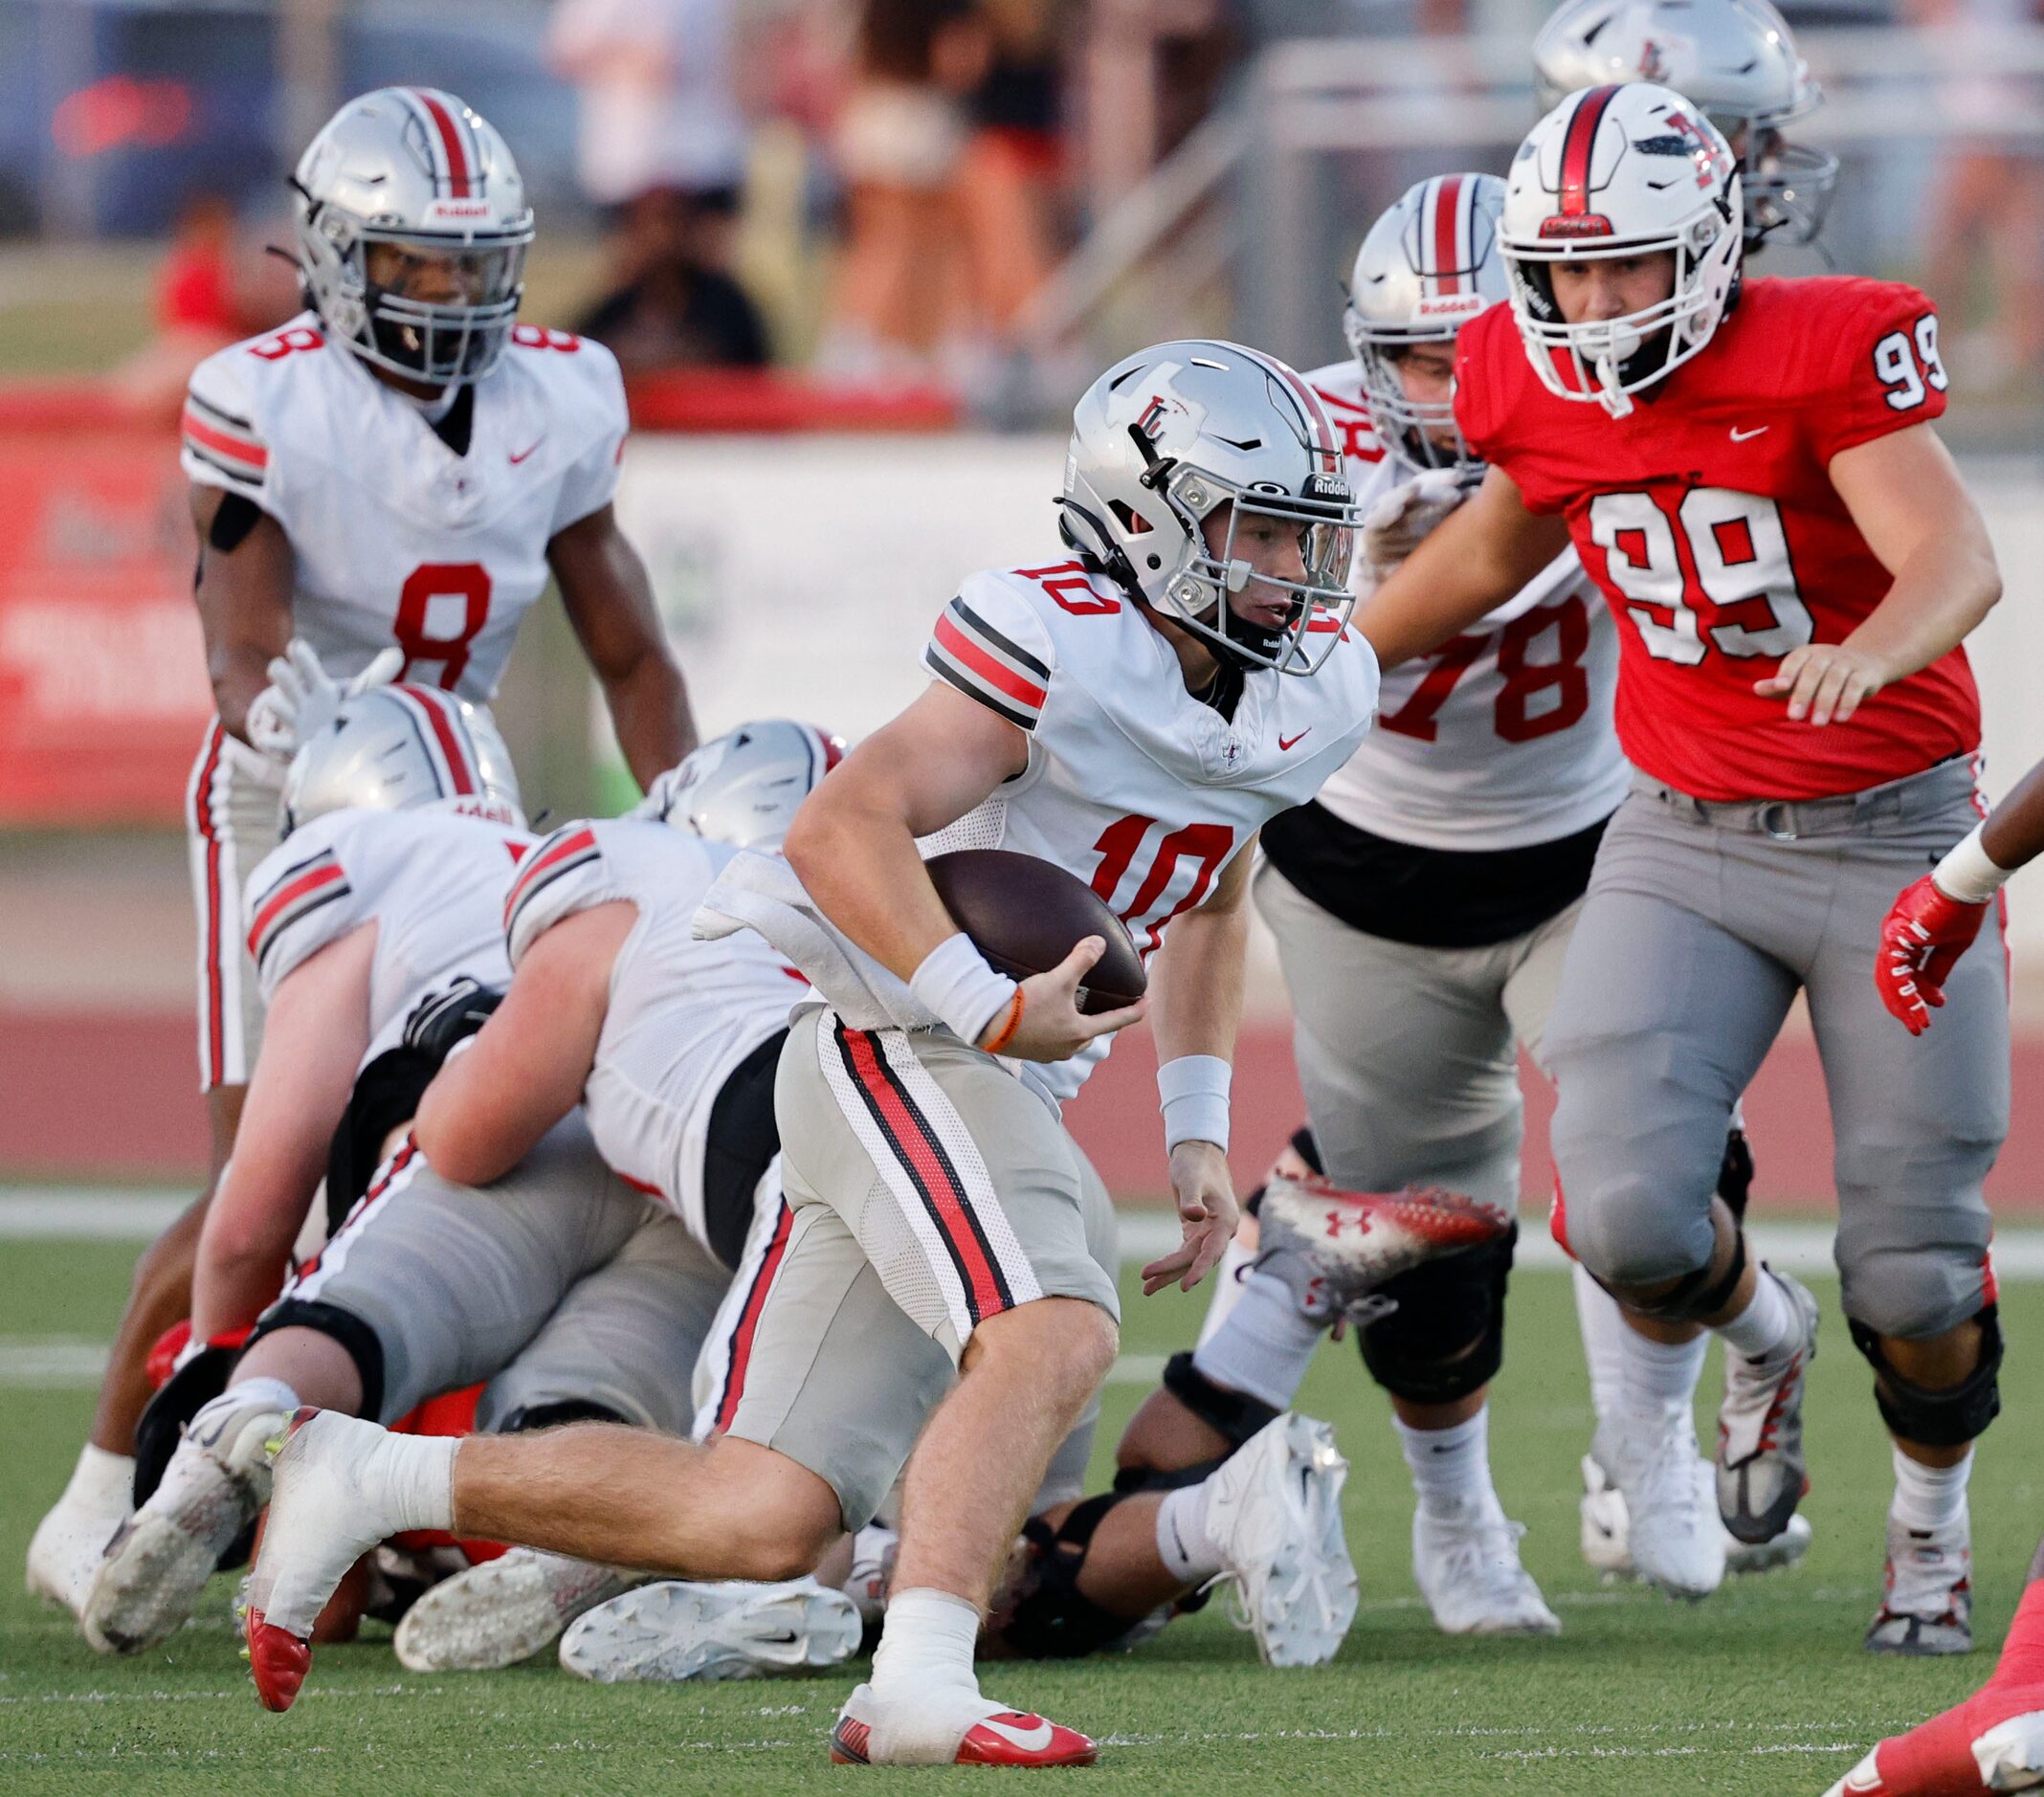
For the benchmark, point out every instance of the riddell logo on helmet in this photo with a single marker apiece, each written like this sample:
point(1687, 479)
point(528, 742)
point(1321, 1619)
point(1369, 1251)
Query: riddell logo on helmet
point(457, 211)
point(1576, 225)
point(1460, 305)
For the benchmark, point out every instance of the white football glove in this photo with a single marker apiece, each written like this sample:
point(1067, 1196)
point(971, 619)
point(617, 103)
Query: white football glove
point(302, 698)
point(1399, 522)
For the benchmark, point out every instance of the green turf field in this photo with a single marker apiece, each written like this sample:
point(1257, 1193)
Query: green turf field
point(1764, 1689)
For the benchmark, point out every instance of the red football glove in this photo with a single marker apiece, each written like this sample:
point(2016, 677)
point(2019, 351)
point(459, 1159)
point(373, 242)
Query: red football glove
point(1922, 935)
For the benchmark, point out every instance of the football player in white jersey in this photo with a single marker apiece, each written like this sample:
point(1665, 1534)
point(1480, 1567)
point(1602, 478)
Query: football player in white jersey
point(379, 934)
point(1134, 713)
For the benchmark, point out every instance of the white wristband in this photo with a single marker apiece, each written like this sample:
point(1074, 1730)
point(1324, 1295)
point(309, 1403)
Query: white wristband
point(1194, 1092)
point(1967, 874)
point(955, 981)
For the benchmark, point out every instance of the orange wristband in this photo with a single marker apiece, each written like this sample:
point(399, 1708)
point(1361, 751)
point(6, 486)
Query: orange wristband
point(1007, 1032)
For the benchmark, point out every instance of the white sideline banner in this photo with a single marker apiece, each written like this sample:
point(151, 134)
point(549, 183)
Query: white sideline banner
point(800, 575)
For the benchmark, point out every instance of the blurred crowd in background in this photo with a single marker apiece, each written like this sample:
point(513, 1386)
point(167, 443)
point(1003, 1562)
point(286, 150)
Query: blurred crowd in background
point(875, 193)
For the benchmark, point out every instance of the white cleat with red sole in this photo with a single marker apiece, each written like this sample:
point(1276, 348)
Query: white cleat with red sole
point(952, 1727)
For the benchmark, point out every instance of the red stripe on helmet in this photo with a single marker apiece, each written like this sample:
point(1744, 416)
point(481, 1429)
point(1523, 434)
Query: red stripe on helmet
point(447, 732)
point(457, 160)
point(1318, 425)
point(1447, 254)
point(1577, 148)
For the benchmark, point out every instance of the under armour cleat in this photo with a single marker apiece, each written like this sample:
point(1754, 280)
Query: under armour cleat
point(951, 1728)
point(1355, 1241)
point(1676, 1540)
point(667, 1632)
point(1275, 1510)
point(157, 1565)
point(65, 1550)
point(1468, 1570)
point(1762, 1471)
point(503, 1612)
point(1607, 1543)
point(1927, 1606)
point(328, 1506)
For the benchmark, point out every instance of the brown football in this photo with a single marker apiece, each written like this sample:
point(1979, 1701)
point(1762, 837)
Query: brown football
point(1024, 913)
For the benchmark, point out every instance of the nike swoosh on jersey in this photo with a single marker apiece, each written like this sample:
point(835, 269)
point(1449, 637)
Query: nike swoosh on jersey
point(1285, 742)
point(1741, 437)
point(537, 442)
point(1028, 1739)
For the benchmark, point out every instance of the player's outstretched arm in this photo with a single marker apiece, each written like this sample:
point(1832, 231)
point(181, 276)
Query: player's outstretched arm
point(524, 1070)
point(1905, 495)
point(1471, 564)
point(1196, 1003)
point(609, 602)
point(314, 1037)
point(852, 845)
point(243, 592)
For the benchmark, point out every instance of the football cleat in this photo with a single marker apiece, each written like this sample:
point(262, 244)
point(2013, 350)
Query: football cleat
point(672, 1631)
point(873, 1559)
point(1762, 1473)
point(1274, 1511)
point(1675, 1536)
point(1354, 1241)
point(1468, 1570)
point(1607, 1543)
point(1927, 1606)
point(952, 1727)
point(65, 1550)
point(158, 1562)
point(503, 1612)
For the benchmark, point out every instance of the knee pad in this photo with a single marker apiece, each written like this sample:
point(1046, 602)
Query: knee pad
point(1231, 1414)
point(1696, 1294)
point(1046, 1617)
point(1446, 1338)
point(1938, 1418)
point(362, 1342)
point(550, 1415)
point(1734, 1173)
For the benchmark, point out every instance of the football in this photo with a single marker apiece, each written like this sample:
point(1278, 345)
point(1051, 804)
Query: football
point(1024, 915)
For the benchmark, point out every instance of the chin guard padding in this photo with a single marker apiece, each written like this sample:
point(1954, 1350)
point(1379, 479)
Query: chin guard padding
point(1931, 1417)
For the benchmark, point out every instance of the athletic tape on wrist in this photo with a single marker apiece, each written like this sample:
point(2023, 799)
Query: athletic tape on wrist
point(1194, 1094)
point(956, 984)
point(1968, 874)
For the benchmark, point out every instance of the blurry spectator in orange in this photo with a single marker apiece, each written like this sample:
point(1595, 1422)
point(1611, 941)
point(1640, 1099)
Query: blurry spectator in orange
point(203, 300)
point(900, 141)
point(658, 106)
point(671, 307)
point(1986, 204)
point(1012, 163)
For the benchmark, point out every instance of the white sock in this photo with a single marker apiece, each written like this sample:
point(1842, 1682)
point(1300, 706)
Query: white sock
point(1658, 1375)
point(1765, 1326)
point(101, 1482)
point(417, 1474)
point(1604, 1331)
point(1451, 1466)
point(1183, 1544)
point(271, 1394)
point(1264, 1347)
point(1929, 1499)
point(927, 1639)
point(1227, 1283)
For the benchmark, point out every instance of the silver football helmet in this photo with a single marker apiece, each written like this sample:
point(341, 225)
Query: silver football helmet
point(1735, 58)
point(746, 787)
point(397, 748)
point(412, 233)
point(1427, 266)
point(1169, 436)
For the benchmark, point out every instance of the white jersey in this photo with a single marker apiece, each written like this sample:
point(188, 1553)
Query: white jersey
point(1503, 738)
point(684, 1013)
point(432, 882)
point(396, 538)
point(1133, 785)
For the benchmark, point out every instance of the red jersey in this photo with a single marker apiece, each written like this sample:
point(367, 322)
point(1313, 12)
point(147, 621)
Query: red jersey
point(1708, 520)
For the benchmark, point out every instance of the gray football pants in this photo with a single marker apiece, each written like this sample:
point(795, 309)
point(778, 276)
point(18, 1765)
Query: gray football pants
point(557, 1284)
point(1701, 923)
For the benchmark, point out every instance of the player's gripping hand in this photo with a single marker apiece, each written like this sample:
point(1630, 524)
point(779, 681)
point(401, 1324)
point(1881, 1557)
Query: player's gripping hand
point(1050, 1025)
point(1825, 682)
point(452, 1015)
point(1207, 1213)
point(302, 698)
point(1400, 520)
point(1924, 933)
